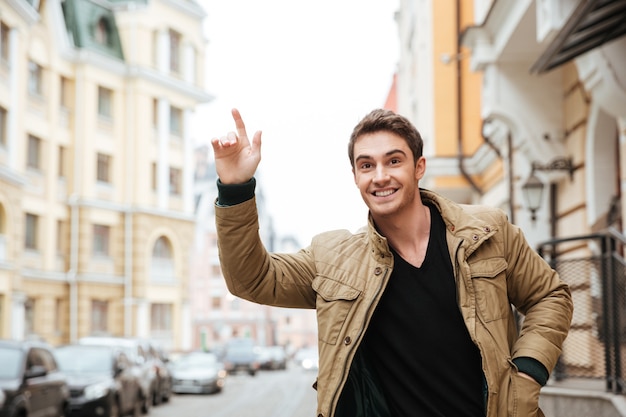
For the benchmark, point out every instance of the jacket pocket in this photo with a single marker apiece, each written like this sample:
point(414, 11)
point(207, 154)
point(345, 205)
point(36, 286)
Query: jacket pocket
point(489, 279)
point(524, 397)
point(334, 301)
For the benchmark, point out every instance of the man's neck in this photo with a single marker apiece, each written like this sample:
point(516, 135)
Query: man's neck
point(408, 232)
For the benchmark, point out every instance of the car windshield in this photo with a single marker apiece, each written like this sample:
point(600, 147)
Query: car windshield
point(83, 359)
point(10, 360)
point(195, 360)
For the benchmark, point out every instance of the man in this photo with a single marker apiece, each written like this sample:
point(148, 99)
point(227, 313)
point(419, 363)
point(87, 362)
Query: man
point(414, 311)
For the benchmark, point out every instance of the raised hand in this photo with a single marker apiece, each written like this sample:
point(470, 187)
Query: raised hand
point(236, 158)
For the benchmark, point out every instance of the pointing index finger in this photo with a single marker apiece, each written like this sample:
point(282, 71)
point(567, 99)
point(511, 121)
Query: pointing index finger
point(241, 127)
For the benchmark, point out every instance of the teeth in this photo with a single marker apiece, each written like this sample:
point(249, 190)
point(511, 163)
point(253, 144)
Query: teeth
point(383, 193)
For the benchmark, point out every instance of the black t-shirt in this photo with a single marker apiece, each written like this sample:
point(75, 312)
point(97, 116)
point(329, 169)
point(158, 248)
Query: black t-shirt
point(417, 341)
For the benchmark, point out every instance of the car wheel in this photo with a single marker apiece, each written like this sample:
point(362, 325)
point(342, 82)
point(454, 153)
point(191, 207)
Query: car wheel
point(114, 409)
point(138, 405)
point(146, 402)
point(157, 397)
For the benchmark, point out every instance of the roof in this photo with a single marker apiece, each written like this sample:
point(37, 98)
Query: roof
point(92, 26)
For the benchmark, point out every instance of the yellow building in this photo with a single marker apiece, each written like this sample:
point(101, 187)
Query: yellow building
point(96, 161)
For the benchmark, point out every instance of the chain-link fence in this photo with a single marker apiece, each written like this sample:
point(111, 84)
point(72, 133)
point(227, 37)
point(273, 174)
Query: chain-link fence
point(594, 268)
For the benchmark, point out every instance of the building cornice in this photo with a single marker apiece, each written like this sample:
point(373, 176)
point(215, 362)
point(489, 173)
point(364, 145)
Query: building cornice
point(120, 68)
point(125, 208)
point(12, 176)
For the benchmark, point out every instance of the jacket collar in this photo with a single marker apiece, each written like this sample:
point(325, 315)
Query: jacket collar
point(461, 224)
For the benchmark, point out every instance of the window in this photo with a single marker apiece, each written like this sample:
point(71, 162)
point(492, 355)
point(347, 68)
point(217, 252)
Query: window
point(33, 158)
point(155, 113)
point(161, 317)
point(155, 176)
point(176, 121)
point(102, 31)
point(62, 162)
point(61, 236)
point(3, 127)
point(101, 237)
point(99, 315)
point(162, 263)
point(35, 79)
point(65, 98)
point(30, 232)
point(105, 102)
point(174, 51)
point(175, 181)
point(29, 317)
point(162, 248)
point(103, 168)
point(4, 41)
point(59, 316)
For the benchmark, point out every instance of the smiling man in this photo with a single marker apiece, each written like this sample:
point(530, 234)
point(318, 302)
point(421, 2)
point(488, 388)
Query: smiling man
point(415, 310)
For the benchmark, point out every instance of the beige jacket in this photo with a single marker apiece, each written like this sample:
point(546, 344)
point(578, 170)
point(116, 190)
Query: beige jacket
point(342, 275)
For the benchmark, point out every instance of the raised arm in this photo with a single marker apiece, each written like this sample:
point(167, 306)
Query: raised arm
point(236, 158)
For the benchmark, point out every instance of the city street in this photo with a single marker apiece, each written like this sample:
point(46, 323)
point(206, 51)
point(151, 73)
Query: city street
point(268, 394)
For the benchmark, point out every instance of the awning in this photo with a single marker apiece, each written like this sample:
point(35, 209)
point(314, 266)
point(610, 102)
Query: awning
point(593, 23)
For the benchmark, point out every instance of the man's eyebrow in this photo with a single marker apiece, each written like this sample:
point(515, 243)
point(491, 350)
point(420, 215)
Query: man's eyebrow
point(390, 153)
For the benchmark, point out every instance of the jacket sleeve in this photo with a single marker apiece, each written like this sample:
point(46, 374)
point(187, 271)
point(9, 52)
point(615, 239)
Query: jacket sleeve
point(537, 291)
point(250, 272)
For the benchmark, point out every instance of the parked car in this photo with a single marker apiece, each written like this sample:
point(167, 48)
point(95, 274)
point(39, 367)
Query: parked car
point(101, 381)
point(157, 357)
point(307, 358)
point(143, 368)
point(271, 357)
point(30, 381)
point(239, 355)
point(198, 373)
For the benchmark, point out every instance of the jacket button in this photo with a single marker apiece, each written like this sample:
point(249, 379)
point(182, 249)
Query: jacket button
point(347, 340)
point(452, 228)
point(475, 237)
point(487, 229)
point(378, 270)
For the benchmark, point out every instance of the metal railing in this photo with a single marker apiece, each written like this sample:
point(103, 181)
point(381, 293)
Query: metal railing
point(594, 267)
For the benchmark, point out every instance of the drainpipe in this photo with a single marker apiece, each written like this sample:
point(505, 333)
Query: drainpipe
point(459, 114)
point(510, 169)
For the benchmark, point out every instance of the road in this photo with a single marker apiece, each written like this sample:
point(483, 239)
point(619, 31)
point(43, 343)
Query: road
point(268, 394)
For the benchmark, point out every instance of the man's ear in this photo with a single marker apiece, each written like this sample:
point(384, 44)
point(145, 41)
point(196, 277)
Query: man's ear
point(420, 168)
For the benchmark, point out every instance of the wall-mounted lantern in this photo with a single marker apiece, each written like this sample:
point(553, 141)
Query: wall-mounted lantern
point(533, 187)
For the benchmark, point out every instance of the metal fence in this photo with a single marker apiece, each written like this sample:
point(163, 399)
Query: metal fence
point(594, 267)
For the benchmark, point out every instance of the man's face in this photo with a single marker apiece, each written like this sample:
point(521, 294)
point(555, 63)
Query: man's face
point(386, 174)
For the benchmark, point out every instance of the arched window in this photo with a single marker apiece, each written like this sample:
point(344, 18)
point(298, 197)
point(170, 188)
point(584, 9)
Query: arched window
point(162, 262)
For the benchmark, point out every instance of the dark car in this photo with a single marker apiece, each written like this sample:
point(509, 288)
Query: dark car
point(138, 356)
point(157, 358)
point(30, 380)
point(101, 381)
point(240, 355)
point(198, 373)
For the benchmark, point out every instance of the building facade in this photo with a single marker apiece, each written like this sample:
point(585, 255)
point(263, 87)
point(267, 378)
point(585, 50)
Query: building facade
point(533, 93)
point(96, 178)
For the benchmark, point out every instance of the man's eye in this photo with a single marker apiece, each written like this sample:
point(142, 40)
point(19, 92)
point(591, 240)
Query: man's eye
point(395, 161)
point(366, 166)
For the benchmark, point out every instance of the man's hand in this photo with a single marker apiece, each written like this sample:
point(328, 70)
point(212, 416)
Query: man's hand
point(236, 159)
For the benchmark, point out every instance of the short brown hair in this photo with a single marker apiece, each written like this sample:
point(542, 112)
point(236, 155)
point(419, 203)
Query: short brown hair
point(386, 120)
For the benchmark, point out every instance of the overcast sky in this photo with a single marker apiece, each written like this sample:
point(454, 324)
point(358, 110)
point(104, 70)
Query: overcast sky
point(304, 73)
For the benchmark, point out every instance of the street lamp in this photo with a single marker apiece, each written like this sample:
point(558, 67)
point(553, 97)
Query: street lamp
point(533, 187)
